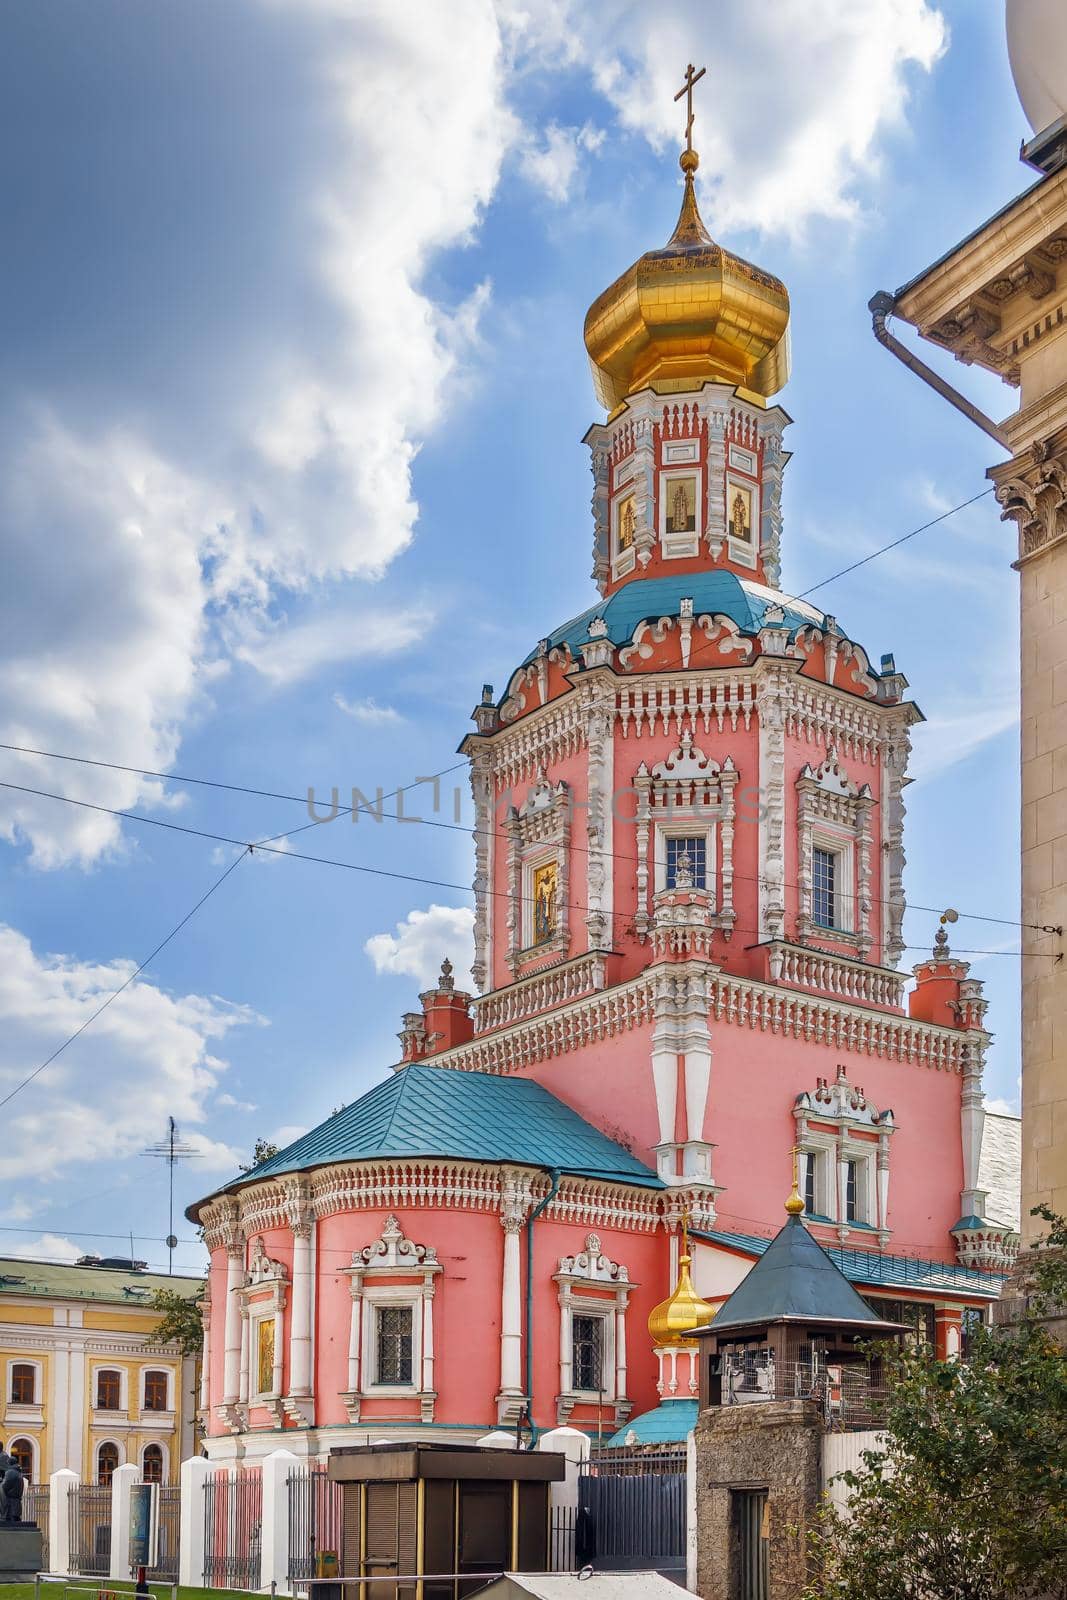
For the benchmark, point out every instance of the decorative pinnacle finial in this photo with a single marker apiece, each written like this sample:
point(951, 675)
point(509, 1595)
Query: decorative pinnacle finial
point(685, 1236)
point(689, 160)
point(941, 937)
point(794, 1205)
point(446, 982)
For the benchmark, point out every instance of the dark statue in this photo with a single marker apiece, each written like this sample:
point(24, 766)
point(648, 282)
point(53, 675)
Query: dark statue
point(12, 1484)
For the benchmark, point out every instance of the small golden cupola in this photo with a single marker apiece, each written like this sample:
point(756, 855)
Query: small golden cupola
point(671, 1326)
point(689, 313)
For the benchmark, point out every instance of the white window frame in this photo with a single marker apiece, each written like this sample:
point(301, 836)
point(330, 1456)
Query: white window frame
point(747, 555)
point(622, 561)
point(143, 1386)
point(538, 856)
point(841, 845)
point(162, 1446)
point(588, 1306)
point(97, 1447)
point(124, 1389)
point(380, 1298)
point(863, 1154)
point(17, 1436)
point(675, 546)
point(824, 1162)
point(21, 1406)
point(260, 1311)
point(689, 825)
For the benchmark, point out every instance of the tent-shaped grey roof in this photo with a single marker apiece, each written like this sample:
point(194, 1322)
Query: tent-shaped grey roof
point(794, 1280)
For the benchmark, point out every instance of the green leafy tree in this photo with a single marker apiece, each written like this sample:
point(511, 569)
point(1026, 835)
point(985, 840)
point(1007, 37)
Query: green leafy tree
point(263, 1151)
point(968, 1501)
point(180, 1322)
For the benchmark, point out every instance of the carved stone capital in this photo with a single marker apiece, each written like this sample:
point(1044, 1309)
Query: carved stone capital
point(1031, 489)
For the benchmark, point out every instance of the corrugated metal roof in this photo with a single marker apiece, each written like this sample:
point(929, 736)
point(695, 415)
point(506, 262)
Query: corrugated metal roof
point(871, 1268)
point(718, 590)
point(472, 1116)
point(56, 1281)
point(670, 1423)
point(794, 1277)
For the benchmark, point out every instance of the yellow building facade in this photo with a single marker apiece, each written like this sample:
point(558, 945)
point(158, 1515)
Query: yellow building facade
point(83, 1387)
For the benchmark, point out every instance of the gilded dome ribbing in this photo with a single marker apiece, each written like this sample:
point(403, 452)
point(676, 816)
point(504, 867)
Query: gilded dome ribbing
point(674, 1319)
point(686, 314)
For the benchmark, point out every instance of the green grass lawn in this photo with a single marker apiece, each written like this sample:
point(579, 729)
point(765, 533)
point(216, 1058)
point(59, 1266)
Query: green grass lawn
point(56, 1591)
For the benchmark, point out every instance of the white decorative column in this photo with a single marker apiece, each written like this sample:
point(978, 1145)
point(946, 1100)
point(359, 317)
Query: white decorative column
point(598, 710)
point(298, 1207)
point(274, 1557)
point(355, 1337)
point(59, 1486)
point(426, 1312)
point(122, 1481)
point(621, 1302)
point(774, 638)
point(205, 1353)
point(246, 1329)
point(279, 1350)
point(192, 1477)
point(972, 1122)
point(515, 1202)
point(234, 1240)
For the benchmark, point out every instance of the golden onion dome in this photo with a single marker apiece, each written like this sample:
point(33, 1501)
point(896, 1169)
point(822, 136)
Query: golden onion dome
point(674, 1319)
point(688, 313)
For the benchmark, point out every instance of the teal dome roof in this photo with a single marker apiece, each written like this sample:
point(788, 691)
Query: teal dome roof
point(643, 599)
point(671, 1423)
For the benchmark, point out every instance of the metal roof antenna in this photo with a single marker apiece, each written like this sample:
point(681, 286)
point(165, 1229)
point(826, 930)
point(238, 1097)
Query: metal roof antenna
point(171, 1149)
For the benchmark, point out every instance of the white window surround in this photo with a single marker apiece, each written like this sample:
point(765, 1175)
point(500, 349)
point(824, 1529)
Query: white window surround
point(262, 1296)
point(386, 1258)
point(536, 832)
point(19, 1408)
point(837, 843)
point(156, 1444)
point(849, 1129)
point(684, 826)
point(742, 551)
point(98, 1446)
point(677, 545)
point(579, 1275)
point(834, 814)
point(124, 1397)
point(622, 561)
point(35, 1452)
point(169, 1375)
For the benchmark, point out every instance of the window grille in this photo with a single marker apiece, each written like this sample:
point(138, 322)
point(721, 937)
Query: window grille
point(695, 849)
point(824, 888)
point(587, 1353)
point(395, 1339)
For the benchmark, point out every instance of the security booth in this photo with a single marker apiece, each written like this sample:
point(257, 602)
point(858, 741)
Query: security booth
point(434, 1520)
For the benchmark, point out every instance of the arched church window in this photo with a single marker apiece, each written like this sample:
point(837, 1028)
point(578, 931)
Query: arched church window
point(23, 1384)
point(21, 1453)
point(152, 1464)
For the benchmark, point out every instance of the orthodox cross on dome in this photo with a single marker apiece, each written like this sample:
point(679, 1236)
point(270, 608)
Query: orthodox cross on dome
point(691, 78)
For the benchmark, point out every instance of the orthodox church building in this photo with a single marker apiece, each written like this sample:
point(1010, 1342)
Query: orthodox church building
point(689, 856)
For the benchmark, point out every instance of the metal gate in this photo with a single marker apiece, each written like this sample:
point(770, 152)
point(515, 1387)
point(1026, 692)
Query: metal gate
point(233, 1528)
point(35, 1501)
point(750, 1512)
point(631, 1511)
point(168, 1516)
point(89, 1509)
point(316, 1514)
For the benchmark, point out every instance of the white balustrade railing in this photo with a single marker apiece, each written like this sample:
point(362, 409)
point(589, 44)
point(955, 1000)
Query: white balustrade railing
point(848, 980)
point(542, 991)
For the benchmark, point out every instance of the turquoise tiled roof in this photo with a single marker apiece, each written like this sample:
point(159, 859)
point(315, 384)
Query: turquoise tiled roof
point(872, 1268)
point(472, 1116)
point(719, 590)
point(670, 1423)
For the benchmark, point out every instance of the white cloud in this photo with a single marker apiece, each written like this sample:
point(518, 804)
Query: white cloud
point(552, 164)
point(231, 1103)
point(289, 652)
point(148, 1056)
point(157, 537)
point(49, 1247)
point(797, 98)
point(368, 710)
point(1001, 1108)
point(422, 941)
point(943, 741)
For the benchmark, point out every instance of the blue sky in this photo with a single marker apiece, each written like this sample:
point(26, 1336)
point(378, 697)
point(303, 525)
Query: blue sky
point(290, 464)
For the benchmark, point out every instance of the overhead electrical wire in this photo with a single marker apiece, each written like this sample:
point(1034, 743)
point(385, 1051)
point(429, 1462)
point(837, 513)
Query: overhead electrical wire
point(430, 822)
point(381, 872)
